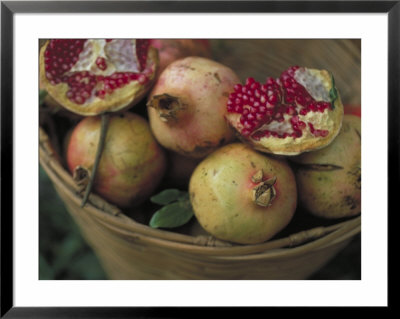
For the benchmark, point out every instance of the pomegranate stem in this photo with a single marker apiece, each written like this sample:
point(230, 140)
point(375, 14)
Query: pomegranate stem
point(100, 147)
point(167, 106)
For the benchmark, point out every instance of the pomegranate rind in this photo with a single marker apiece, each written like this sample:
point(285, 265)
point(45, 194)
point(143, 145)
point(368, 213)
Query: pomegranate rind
point(170, 50)
point(221, 194)
point(196, 125)
point(120, 100)
point(329, 179)
point(132, 163)
point(330, 120)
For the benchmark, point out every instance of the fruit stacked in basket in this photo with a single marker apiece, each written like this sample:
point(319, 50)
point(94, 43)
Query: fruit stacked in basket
point(179, 142)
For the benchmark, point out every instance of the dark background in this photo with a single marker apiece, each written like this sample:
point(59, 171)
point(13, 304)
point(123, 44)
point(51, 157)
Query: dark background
point(64, 255)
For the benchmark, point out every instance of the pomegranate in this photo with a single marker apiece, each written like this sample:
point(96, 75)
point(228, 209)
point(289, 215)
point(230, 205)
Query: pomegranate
point(241, 195)
point(187, 106)
point(299, 111)
point(93, 76)
point(50, 106)
point(330, 178)
point(132, 163)
point(170, 50)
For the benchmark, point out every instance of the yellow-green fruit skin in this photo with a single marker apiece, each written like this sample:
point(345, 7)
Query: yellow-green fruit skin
point(132, 163)
point(221, 189)
point(329, 180)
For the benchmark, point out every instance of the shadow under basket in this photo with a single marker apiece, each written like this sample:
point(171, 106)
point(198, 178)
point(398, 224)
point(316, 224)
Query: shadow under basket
point(131, 250)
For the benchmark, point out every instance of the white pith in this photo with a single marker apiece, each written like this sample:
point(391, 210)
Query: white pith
point(279, 127)
point(312, 83)
point(286, 127)
point(120, 56)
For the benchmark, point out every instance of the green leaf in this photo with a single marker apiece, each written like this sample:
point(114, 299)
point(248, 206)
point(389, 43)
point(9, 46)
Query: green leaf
point(172, 215)
point(184, 196)
point(166, 196)
point(333, 94)
point(42, 96)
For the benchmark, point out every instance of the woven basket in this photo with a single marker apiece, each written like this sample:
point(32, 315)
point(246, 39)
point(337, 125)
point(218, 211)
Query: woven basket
point(129, 249)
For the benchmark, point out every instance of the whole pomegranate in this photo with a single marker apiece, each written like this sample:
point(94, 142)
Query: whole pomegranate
point(298, 112)
point(241, 195)
point(170, 50)
point(132, 163)
point(187, 106)
point(92, 76)
point(330, 178)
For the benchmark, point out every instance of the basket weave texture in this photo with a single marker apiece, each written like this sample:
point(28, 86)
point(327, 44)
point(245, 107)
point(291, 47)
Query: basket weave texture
point(129, 249)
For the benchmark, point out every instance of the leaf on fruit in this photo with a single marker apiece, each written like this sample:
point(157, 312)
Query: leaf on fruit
point(167, 196)
point(42, 96)
point(176, 211)
point(333, 94)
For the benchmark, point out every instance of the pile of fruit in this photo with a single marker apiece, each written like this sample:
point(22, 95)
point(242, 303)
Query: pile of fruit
point(160, 121)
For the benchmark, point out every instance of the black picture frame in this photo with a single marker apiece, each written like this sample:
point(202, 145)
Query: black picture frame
point(9, 8)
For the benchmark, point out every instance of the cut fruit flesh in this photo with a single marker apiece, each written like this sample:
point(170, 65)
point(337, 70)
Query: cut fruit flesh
point(90, 76)
point(299, 111)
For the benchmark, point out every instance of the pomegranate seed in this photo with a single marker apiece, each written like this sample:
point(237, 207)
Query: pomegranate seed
point(79, 100)
point(85, 94)
point(238, 109)
point(250, 81)
point(101, 63)
point(246, 132)
point(302, 125)
point(142, 79)
point(297, 134)
point(303, 112)
point(273, 99)
point(291, 110)
point(312, 107)
point(259, 116)
point(324, 133)
point(311, 127)
point(260, 104)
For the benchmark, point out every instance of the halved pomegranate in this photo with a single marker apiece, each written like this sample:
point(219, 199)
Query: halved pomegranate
point(298, 112)
point(93, 76)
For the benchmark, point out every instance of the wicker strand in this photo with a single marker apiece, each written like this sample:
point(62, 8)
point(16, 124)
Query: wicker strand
point(126, 227)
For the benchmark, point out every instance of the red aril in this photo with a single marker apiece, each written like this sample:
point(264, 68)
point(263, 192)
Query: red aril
point(299, 111)
point(93, 76)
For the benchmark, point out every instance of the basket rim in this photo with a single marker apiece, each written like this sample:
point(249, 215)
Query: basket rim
point(114, 218)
